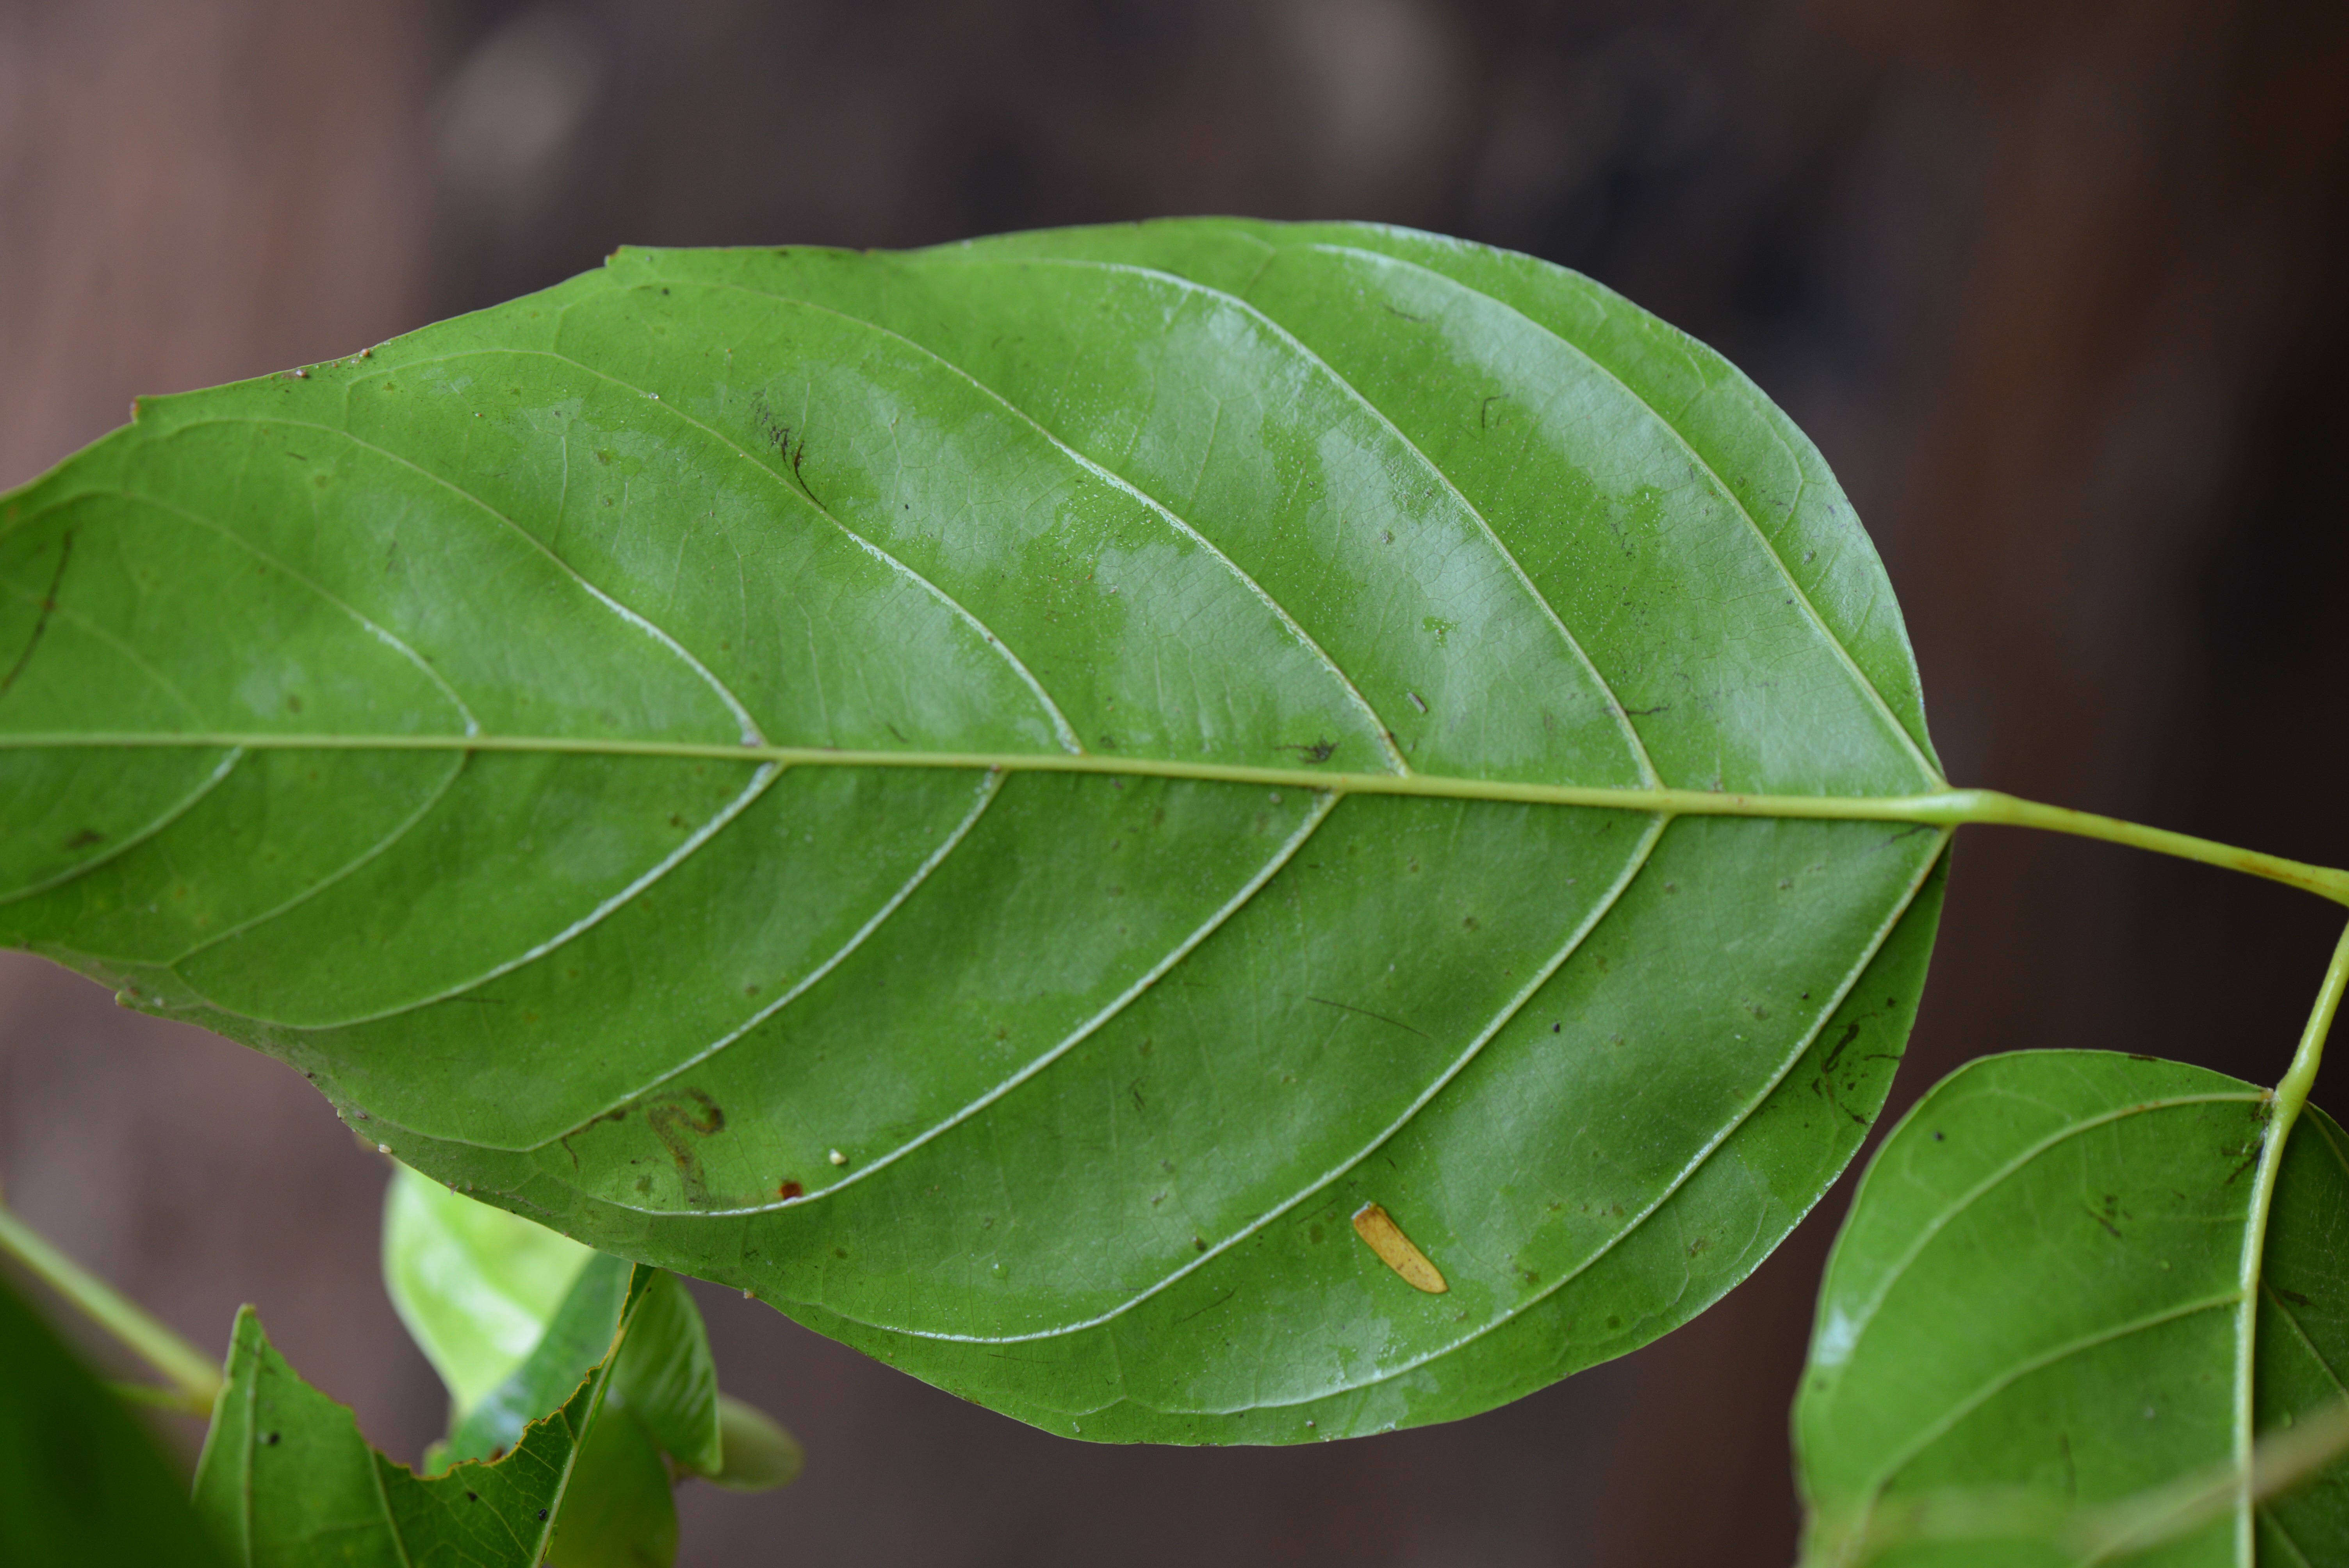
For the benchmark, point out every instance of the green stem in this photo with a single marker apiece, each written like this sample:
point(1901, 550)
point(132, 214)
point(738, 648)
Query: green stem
point(1945, 808)
point(2290, 1095)
point(195, 1378)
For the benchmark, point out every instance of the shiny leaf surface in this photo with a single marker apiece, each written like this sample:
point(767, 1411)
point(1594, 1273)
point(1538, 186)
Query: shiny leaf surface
point(997, 796)
point(2037, 1305)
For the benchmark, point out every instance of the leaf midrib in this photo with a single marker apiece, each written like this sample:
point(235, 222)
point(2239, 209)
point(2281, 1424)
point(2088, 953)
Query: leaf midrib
point(1936, 808)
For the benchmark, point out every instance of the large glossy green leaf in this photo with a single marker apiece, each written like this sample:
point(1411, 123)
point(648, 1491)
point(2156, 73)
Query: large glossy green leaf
point(286, 1479)
point(2038, 1300)
point(79, 1482)
point(999, 796)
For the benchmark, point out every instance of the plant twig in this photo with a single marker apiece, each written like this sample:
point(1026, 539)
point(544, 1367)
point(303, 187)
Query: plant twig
point(2291, 1094)
point(194, 1377)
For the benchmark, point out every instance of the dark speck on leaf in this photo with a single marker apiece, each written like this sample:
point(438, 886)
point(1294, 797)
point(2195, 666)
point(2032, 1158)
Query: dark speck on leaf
point(1199, 1243)
point(1937, 1137)
point(542, 1514)
point(271, 1440)
point(472, 1496)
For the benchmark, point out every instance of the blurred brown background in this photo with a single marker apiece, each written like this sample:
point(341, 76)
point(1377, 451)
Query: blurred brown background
point(2057, 286)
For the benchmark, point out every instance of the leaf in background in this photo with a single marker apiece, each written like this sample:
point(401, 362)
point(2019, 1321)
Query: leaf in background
point(475, 1284)
point(2037, 1303)
point(617, 1509)
point(79, 1481)
point(760, 1455)
point(1041, 1024)
point(286, 1479)
point(578, 1339)
point(480, 1288)
point(620, 1512)
point(666, 1380)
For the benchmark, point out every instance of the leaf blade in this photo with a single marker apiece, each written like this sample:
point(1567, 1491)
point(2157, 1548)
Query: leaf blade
point(1209, 495)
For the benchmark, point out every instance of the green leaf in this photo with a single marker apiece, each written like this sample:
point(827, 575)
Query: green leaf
point(285, 1477)
point(620, 1512)
point(475, 1286)
point(999, 797)
point(760, 1455)
point(480, 1287)
point(617, 1509)
point(578, 1339)
point(79, 1481)
point(2037, 1306)
point(666, 1380)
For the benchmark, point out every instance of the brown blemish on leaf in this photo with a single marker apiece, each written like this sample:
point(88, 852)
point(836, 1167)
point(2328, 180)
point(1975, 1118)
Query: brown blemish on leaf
point(671, 1120)
point(1384, 1237)
point(48, 608)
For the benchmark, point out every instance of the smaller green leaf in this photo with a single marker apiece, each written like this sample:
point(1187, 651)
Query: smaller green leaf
point(760, 1454)
point(286, 1479)
point(480, 1287)
point(666, 1380)
point(475, 1284)
point(620, 1512)
point(2031, 1331)
point(79, 1481)
point(579, 1340)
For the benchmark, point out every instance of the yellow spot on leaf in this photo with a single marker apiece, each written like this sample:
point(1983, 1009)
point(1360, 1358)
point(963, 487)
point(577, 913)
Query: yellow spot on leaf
point(1373, 1225)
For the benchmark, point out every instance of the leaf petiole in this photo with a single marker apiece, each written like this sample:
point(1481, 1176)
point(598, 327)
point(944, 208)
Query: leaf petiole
point(195, 1379)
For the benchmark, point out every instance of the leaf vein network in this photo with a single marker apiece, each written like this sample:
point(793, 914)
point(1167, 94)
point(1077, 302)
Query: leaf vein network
point(629, 616)
point(1933, 1227)
point(1989, 1389)
point(986, 794)
point(1325, 802)
point(1802, 596)
point(1379, 726)
point(1289, 341)
point(1061, 727)
point(1443, 1079)
point(1702, 1157)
